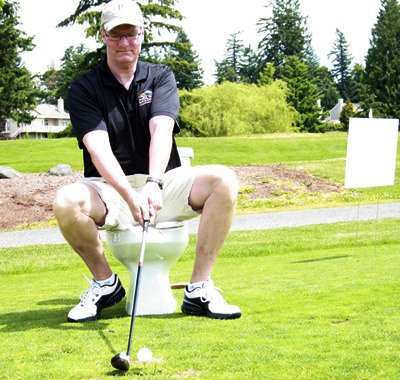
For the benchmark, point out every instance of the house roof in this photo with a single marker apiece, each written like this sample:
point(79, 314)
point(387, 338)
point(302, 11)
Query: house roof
point(50, 111)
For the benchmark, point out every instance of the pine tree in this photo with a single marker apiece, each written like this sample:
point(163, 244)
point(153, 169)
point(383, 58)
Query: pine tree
point(381, 79)
point(229, 68)
point(240, 64)
point(342, 60)
point(185, 63)
point(327, 88)
point(347, 112)
point(284, 34)
point(17, 91)
point(303, 95)
point(248, 69)
point(356, 76)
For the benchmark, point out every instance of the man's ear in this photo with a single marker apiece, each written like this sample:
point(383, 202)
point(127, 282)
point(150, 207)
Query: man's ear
point(103, 35)
point(142, 35)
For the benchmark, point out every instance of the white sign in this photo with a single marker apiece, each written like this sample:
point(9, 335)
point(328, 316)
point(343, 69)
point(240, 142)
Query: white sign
point(371, 152)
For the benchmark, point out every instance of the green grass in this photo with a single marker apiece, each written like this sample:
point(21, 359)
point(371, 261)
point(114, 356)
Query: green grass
point(323, 155)
point(34, 156)
point(318, 302)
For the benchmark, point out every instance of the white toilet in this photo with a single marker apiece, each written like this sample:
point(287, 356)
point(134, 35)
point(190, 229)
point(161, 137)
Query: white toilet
point(165, 244)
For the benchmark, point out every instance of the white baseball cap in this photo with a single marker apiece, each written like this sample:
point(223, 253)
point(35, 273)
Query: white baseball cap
point(118, 12)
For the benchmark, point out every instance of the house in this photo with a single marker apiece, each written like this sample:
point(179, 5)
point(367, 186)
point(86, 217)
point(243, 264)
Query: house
point(334, 113)
point(49, 118)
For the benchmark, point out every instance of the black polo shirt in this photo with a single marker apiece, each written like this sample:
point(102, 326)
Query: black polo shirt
point(97, 101)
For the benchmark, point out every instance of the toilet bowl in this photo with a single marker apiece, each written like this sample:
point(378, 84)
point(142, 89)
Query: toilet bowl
point(165, 244)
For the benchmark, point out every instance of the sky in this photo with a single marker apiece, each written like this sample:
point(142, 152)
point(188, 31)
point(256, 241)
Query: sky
point(208, 24)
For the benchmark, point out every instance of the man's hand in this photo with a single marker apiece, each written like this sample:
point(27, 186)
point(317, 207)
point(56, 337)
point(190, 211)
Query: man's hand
point(154, 199)
point(139, 206)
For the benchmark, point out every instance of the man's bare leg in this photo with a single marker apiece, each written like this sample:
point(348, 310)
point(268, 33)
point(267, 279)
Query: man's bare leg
point(78, 210)
point(214, 191)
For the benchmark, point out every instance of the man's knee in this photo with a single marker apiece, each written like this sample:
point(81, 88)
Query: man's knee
point(68, 197)
point(227, 180)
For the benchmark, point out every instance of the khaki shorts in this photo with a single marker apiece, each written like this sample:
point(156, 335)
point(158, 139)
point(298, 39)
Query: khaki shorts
point(176, 190)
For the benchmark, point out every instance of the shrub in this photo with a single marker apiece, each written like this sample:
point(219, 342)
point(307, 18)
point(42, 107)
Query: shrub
point(231, 109)
point(66, 132)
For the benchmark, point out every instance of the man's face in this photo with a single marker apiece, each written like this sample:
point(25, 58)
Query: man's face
point(123, 43)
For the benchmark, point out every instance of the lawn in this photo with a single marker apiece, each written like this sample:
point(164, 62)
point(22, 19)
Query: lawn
point(317, 303)
point(323, 155)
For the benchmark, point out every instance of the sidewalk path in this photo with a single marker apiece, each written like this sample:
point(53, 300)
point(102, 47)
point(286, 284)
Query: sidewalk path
point(241, 222)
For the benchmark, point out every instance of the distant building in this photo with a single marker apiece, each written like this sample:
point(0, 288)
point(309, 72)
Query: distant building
point(49, 118)
point(334, 113)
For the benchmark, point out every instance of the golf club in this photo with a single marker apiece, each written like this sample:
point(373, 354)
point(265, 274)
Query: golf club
point(121, 361)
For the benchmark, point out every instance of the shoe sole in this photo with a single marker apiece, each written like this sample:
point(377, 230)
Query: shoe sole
point(196, 310)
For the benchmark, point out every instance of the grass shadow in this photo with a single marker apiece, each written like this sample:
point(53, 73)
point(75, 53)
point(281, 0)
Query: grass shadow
point(320, 259)
point(55, 318)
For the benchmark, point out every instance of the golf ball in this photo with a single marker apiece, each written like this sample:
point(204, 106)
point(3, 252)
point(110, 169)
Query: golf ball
point(144, 355)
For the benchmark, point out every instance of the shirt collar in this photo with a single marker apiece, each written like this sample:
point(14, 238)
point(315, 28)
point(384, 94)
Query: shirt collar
point(109, 79)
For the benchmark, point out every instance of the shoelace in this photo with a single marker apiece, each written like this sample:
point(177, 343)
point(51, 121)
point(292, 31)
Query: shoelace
point(91, 292)
point(212, 294)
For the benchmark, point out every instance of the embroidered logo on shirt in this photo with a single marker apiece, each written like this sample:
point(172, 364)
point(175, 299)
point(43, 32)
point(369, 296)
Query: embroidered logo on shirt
point(145, 97)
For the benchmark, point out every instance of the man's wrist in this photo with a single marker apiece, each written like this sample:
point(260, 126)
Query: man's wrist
point(156, 180)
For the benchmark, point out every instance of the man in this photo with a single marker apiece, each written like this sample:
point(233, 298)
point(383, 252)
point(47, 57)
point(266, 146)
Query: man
point(124, 116)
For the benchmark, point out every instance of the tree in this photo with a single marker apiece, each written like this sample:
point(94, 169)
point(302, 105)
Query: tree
point(356, 76)
point(248, 70)
point(323, 79)
point(17, 91)
point(303, 95)
point(240, 63)
point(73, 64)
point(229, 68)
point(380, 82)
point(284, 34)
point(185, 63)
point(347, 112)
point(342, 60)
point(48, 82)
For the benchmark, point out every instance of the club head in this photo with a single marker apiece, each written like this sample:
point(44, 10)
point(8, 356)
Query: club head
point(121, 361)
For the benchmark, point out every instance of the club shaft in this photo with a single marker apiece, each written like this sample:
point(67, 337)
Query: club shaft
point(137, 285)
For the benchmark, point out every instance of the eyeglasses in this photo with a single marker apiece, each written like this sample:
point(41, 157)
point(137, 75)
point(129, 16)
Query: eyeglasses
point(130, 37)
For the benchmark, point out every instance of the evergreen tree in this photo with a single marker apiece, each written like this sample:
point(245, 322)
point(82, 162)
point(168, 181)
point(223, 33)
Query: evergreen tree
point(303, 95)
point(248, 69)
point(17, 91)
point(356, 76)
point(185, 63)
point(240, 63)
point(49, 82)
point(285, 34)
point(347, 112)
point(381, 79)
point(341, 65)
point(326, 87)
point(229, 68)
point(73, 64)
point(266, 76)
